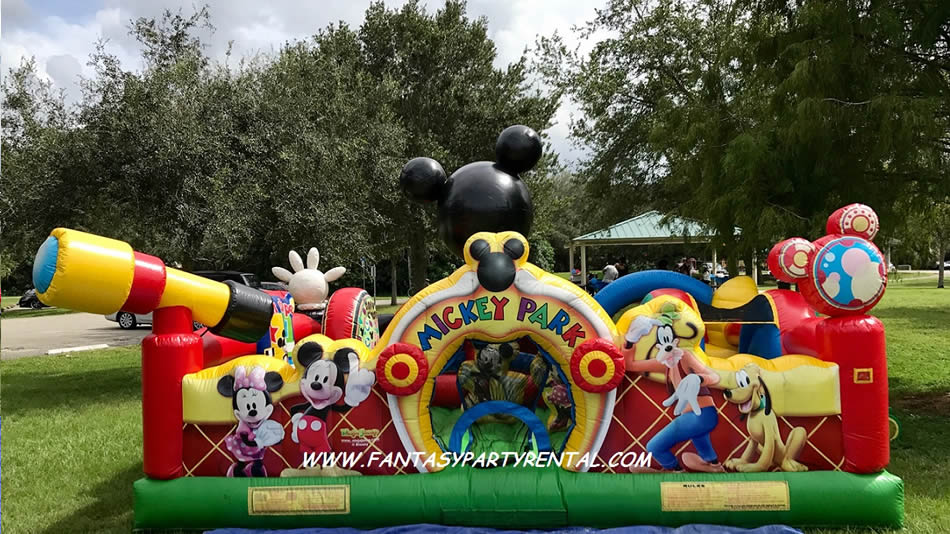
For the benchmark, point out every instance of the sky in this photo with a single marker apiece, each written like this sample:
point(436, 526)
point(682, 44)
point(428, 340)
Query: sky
point(60, 34)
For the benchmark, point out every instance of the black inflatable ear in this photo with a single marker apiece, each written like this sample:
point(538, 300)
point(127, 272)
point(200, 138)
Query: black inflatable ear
point(506, 350)
point(768, 397)
point(342, 360)
point(423, 179)
point(226, 385)
point(479, 249)
point(518, 149)
point(309, 352)
point(514, 249)
point(274, 381)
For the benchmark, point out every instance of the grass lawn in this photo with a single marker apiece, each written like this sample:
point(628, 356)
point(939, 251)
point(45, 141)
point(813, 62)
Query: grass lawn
point(72, 427)
point(26, 312)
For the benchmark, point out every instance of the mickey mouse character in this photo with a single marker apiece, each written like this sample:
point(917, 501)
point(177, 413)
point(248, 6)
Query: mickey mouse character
point(326, 377)
point(487, 377)
point(251, 400)
point(483, 196)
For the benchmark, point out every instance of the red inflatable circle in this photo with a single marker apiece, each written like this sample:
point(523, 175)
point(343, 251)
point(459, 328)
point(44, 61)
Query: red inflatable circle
point(597, 366)
point(402, 369)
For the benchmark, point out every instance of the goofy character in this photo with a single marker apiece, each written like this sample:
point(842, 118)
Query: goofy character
point(665, 339)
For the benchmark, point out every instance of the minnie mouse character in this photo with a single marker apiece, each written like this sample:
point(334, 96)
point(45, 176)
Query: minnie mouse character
point(326, 378)
point(251, 400)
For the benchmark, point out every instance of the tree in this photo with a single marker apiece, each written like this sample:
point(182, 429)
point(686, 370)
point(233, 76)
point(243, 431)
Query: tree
point(39, 147)
point(452, 101)
point(762, 115)
point(212, 165)
point(927, 231)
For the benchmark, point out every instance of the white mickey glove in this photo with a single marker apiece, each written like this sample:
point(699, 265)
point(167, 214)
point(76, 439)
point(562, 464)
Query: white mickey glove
point(308, 285)
point(639, 327)
point(686, 393)
point(359, 383)
point(270, 433)
point(293, 422)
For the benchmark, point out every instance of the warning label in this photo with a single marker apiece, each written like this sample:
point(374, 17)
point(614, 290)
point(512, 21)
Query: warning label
point(724, 496)
point(299, 500)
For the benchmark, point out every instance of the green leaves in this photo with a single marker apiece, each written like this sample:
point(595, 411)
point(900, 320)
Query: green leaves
point(229, 167)
point(766, 116)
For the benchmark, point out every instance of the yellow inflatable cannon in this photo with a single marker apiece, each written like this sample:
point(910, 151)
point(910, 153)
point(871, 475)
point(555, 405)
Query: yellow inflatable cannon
point(96, 274)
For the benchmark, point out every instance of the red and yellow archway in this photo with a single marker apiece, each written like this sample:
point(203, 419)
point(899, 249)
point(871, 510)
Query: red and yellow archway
point(560, 317)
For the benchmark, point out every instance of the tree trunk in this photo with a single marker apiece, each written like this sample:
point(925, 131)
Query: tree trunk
point(732, 265)
point(747, 259)
point(940, 269)
point(419, 258)
point(394, 261)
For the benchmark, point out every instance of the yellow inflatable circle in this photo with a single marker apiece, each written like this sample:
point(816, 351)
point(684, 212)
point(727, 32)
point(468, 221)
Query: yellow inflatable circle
point(410, 363)
point(860, 223)
point(592, 356)
point(800, 258)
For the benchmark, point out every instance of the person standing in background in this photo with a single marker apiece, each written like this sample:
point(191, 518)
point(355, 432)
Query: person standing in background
point(621, 266)
point(610, 273)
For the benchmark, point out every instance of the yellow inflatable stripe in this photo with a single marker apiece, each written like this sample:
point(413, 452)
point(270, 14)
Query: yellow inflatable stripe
point(776, 365)
point(93, 273)
point(717, 351)
point(207, 299)
point(199, 391)
point(735, 292)
point(799, 385)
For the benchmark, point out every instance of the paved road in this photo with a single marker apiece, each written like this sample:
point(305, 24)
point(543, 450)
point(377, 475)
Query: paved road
point(33, 336)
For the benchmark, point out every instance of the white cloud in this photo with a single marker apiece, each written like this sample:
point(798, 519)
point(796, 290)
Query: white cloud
point(61, 44)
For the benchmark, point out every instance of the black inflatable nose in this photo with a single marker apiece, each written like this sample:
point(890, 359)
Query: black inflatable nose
point(316, 385)
point(727, 393)
point(252, 413)
point(669, 348)
point(496, 271)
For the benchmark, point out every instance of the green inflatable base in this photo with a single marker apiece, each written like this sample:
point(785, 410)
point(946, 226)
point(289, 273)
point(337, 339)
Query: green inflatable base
point(521, 498)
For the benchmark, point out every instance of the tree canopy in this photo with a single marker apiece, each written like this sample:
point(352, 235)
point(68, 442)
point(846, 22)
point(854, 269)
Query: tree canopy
point(760, 114)
point(214, 166)
point(764, 115)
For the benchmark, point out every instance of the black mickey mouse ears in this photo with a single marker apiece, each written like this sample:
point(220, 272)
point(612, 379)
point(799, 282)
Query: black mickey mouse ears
point(518, 149)
point(422, 179)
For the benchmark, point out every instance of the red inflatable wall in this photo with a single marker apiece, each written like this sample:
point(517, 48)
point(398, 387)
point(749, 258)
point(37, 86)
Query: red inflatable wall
point(170, 352)
point(856, 344)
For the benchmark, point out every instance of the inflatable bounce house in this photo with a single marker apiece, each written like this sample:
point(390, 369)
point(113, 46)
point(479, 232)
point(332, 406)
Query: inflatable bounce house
point(503, 395)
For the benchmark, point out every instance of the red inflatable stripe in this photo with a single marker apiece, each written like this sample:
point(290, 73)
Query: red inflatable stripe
point(148, 284)
point(446, 393)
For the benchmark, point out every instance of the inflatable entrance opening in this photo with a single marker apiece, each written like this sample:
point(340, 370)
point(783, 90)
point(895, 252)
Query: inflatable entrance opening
point(529, 367)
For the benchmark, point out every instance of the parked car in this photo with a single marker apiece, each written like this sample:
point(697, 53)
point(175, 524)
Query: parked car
point(273, 286)
point(129, 320)
point(248, 279)
point(30, 300)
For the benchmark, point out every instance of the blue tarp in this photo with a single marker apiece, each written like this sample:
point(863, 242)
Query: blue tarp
point(433, 529)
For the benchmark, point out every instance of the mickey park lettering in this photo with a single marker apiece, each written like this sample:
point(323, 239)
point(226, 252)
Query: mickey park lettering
point(454, 316)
